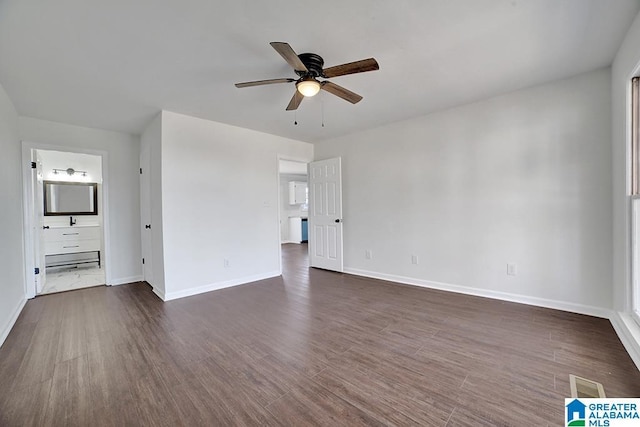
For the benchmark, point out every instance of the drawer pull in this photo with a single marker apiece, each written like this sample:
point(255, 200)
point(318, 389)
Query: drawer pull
point(76, 246)
point(70, 234)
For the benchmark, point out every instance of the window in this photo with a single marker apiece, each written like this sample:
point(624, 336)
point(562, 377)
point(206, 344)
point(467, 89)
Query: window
point(635, 196)
point(635, 134)
point(635, 256)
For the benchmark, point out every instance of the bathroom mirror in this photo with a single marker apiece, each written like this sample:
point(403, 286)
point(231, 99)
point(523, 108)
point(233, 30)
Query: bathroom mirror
point(70, 198)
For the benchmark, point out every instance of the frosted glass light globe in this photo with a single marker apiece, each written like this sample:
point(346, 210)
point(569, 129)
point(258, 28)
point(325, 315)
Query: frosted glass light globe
point(308, 87)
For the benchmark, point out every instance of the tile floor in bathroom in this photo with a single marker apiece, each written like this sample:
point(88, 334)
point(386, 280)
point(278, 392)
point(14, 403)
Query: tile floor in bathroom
point(62, 279)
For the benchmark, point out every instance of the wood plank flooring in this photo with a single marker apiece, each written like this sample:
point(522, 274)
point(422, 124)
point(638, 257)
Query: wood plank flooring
point(309, 348)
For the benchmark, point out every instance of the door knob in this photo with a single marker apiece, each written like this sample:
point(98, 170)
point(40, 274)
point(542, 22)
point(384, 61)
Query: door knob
point(148, 226)
point(337, 220)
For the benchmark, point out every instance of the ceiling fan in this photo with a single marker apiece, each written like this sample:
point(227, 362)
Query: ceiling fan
point(308, 67)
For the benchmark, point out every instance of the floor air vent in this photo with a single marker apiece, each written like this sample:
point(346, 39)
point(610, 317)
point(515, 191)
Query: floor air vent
point(582, 387)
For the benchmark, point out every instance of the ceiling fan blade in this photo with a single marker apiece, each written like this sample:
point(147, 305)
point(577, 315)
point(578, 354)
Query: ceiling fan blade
point(343, 93)
point(351, 68)
point(295, 101)
point(289, 55)
point(264, 82)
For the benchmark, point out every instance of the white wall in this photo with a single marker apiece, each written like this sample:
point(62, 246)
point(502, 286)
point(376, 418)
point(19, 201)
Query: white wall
point(220, 201)
point(625, 66)
point(12, 292)
point(88, 163)
point(522, 178)
point(123, 152)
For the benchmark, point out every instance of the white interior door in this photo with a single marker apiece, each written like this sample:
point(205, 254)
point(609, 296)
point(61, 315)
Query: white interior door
point(145, 213)
point(325, 214)
point(38, 204)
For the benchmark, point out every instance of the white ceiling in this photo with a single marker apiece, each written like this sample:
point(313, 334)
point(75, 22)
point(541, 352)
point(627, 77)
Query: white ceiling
point(115, 64)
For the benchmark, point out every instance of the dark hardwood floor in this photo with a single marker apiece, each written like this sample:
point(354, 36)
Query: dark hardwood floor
point(310, 348)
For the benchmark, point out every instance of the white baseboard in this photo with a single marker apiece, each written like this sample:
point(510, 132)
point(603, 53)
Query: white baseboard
point(12, 321)
point(219, 285)
point(159, 293)
point(126, 280)
point(629, 333)
point(504, 296)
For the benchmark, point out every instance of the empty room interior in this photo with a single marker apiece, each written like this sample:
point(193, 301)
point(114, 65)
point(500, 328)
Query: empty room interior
point(294, 213)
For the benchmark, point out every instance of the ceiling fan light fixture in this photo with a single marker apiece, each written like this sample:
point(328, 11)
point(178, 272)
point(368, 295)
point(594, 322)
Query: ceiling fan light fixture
point(308, 87)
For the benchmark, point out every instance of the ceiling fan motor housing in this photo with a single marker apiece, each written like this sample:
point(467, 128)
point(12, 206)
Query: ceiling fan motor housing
point(314, 64)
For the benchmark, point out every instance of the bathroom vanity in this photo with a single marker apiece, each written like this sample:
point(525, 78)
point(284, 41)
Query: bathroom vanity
point(73, 244)
point(66, 246)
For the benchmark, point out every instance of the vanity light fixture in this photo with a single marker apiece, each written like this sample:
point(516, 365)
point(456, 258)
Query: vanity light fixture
point(69, 171)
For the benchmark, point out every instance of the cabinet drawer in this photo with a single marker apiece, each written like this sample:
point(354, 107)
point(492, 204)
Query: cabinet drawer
point(71, 233)
point(68, 247)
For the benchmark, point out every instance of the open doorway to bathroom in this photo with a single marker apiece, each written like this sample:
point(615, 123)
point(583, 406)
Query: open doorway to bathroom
point(294, 206)
point(67, 220)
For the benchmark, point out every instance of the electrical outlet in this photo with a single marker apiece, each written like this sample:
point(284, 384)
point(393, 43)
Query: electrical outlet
point(368, 254)
point(414, 259)
point(512, 269)
point(226, 263)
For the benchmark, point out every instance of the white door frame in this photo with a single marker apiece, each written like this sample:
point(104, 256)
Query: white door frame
point(27, 198)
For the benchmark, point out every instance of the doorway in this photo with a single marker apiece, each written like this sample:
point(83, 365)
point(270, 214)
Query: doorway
point(310, 210)
point(294, 204)
point(65, 219)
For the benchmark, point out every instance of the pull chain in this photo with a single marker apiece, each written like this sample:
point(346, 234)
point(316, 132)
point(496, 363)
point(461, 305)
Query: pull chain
point(295, 117)
point(322, 108)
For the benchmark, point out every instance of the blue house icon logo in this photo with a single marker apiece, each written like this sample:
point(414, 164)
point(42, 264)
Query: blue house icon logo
point(576, 413)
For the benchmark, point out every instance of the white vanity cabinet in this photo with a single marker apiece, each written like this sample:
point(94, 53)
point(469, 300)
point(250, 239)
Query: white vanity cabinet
point(72, 245)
